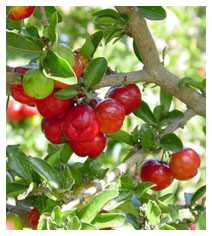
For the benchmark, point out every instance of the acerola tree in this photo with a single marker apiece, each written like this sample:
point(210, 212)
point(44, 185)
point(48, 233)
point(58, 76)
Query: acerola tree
point(81, 181)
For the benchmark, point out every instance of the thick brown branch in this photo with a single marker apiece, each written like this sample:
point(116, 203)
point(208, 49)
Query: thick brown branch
point(138, 29)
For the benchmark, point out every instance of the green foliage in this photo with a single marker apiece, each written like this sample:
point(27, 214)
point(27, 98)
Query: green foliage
point(21, 50)
point(48, 176)
point(152, 12)
point(94, 72)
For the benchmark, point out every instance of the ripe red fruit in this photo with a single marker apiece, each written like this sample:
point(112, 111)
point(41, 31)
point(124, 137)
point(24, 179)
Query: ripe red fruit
point(33, 218)
point(29, 111)
point(52, 130)
point(184, 164)
point(50, 107)
point(80, 124)
point(18, 93)
point(14, 112)
point(156, 172)
point(110, 114)
point(13, 222)
point(193, 227)
point(92, 148)
point(129, 96)
point(20, 12)
point(21, 70)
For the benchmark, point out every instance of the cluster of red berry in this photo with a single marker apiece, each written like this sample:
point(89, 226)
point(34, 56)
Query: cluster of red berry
point(183, 165)
point(84, 125)
point(81, 122)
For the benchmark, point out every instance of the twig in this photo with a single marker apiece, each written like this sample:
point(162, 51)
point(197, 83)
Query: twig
point(43, 15)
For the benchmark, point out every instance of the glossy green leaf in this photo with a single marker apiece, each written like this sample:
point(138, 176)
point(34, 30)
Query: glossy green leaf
point(65, 52)
point(74, 224)
point(96, 40)
point(174, 115)
point(141, 188)
point(163, 207)
point(152, 12)
point(107, 13)
point(52, 28)
point(201, 224)
point(147, 136)
point(67, 178)
point(105, 220)
point(191, 82)
point(87, 48)
point(95, 71)
point(18, 163)
point(174, 212)
point(69, 92)
point(46, 171)
point(57, 216)
point(159, 112)
point(89, 212)
point(129, 207)
point(56, 67)
point(136, 51)
point(33, 32)
point(165, 99)
point(153, 213)
point(126, 183)
point(144, 113)
point(14, 189)
point(113, 33)
point(171, 142)
point(198, 194)
point(167, 227)
point(20, 50)
point(87, 226)
point(122, 136)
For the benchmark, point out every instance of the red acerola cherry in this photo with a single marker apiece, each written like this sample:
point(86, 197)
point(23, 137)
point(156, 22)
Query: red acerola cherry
point(18, 93)
point(52, 130)
point(92, 148)
point(80, 124)
point(14, 112)
point(184, 164)
point(129, 96)
point(33, 217)
point(156, 172)
point(110, 114)
point(20, 12)
point(50, 107)
point(29, 111)
point(193, 227)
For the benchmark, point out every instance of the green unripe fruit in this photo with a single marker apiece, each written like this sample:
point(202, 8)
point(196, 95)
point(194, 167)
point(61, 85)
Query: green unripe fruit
point(13, 222)
point(36, 84)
